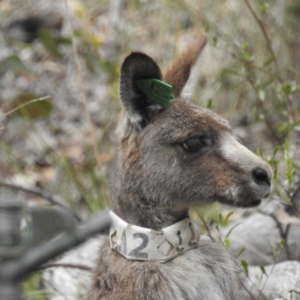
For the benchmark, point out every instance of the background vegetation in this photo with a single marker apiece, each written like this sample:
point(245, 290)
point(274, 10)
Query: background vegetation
point(59, 93)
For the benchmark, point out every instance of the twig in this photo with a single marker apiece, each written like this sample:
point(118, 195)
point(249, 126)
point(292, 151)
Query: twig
point(268, 276)
point(40, 193)
point(269, 44)
point(63, 265)
point(24, 104)
point(14, 270)
point(262, 106)
point(248, 292)
point(270, 48)
point(290, 198)
point(20, 106)
point(206, 227)
point(283, 234)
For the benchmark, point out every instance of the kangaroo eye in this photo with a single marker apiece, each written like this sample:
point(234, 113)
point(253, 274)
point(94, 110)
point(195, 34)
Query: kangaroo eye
point(193, 144)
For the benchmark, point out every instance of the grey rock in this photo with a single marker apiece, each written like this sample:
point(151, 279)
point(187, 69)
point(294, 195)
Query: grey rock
point(62, 283)
point(260, 237)
point(277, 282)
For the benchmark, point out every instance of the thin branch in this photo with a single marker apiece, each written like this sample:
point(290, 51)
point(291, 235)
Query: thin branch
point(262, 107)
point(269, 44)
point(40, 193)
point(248, 291)
point(16, 269)
point(270, 48)
point(63, 265)
point(268, 276)
point(283, 233)
point(22, 105)
point(290, 198)
point(206, 227)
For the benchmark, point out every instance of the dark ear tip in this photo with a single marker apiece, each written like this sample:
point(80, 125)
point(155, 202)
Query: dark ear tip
point(136, 57)
point(138, 65)
point(137, 54)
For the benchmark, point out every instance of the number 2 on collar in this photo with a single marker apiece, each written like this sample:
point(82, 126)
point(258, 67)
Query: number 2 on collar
point(156, 90)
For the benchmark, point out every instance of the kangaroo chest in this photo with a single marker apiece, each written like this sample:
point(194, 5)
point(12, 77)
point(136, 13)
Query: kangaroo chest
point(205, 273)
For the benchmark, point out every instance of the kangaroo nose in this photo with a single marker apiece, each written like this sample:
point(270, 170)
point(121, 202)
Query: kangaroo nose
point(261, 176)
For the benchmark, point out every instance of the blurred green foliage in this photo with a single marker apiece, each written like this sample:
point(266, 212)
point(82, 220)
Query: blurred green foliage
point(253, 79)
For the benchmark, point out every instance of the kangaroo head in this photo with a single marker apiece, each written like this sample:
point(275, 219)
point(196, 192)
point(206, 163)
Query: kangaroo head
point(169, 159)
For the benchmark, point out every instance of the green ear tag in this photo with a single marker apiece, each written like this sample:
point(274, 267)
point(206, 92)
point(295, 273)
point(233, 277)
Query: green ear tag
point(156, 90)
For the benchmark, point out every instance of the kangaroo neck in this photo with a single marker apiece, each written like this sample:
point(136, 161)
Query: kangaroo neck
point(147, 214)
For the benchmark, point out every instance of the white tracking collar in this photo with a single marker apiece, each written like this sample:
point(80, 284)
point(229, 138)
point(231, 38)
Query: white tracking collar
point(139, 243)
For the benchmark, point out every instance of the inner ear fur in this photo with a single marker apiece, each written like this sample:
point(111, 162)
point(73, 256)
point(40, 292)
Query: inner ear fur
point(137, 66)
point(179, 73)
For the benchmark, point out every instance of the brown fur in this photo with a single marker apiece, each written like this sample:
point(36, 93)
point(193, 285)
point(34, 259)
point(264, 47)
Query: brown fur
point(178, 73)
point(156, 179)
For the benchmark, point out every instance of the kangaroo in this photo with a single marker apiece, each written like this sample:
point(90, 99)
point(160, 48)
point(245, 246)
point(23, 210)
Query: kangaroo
point(169, 158)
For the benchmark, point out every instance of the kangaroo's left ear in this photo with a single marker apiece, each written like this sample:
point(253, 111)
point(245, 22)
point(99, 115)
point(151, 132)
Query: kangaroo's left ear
point(139, 108)
point(184, 72)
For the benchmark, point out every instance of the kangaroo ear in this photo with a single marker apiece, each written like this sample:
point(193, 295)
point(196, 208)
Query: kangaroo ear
point(139, 108)
point(184, 73)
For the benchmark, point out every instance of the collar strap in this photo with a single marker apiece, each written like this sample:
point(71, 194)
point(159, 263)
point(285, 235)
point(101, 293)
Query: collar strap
point(139, 243)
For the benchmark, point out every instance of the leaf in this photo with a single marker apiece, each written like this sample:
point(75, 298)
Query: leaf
point(261, 95)
point(14, 64)
point(50, 41)
point(245, 267)
point(227, 243)
point(267, 83)
point(215, 40)
point(294, 291)
point(241, 251)
point(263, 270)
point(267, 62)
point(227, 235)
point(207, 28)
point(290, 169)
point(220, 218)
point(228, 216)
point(65, 41)
point(209, 103)
point(233, 72)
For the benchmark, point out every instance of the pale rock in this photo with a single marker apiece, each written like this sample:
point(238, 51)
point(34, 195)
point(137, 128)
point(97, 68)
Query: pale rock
point(277, 282)
point(260, 236)
point(63, 283)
